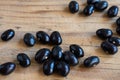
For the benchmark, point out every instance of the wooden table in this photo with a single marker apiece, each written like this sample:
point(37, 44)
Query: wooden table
point(53, 15)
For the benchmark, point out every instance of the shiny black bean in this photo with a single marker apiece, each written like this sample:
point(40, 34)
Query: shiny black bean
point(73, 6)
point(104, 33)
point(70, 58)
point(43, 37)
point(93, 1)
point(101, 6)
point(76, 50)
point(113, 11)
point(57, 53)
point(109, 47)
point(48, 67)
point(88, 10)
point(91, 61)
point(23, 60)
point(118, 22)
point(55, 38)
point(42, 55)
point(8, 35)
point(62, 68)
point(114, 40)
point(7, 68)
point(29, 39)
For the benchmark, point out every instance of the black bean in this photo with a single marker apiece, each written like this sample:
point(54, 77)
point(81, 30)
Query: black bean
point(101, 6)
point(73, 6)
point(76, 50)
point(62, 68)
point(114, 40)
point(43, 37)
point(48, 67)
point(8, 35)
point(91, 61)
point(42, 55)
point(7, 68)
point(23, 60)
point(29, 39)
point(118, 30)
point(57, 53)
point(56, 38)
point(113, 11)
point(70, 58)
point(104, 33)
point(88, 10)
point(93, 1)
point(118, 22)
point(109, 47)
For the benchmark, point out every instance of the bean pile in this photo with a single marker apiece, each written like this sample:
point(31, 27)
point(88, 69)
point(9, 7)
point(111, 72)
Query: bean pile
point(57, 60)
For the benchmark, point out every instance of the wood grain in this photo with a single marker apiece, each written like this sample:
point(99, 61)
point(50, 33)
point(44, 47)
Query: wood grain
point(53, 15)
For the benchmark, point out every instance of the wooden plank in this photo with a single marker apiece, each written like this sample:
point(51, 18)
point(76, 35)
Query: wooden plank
point(53, 15)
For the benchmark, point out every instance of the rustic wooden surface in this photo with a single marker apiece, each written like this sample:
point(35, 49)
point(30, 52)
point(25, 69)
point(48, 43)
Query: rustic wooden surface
point(49, 15)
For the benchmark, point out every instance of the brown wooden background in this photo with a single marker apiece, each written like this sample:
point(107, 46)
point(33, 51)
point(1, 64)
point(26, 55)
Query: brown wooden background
point(49, 15)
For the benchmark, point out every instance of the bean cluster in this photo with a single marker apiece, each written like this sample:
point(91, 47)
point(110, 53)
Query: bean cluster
point(111, 42)
point(56, 60)
point(93, 5)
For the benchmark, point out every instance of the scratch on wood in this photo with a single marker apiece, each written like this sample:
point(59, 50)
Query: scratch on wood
point(17, 27)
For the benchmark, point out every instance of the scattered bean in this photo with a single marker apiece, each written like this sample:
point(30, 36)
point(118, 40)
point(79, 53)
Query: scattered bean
point(56, 38)
point(76, 50)
point(48, 67)
point(73, 6)
point(88, 10)
point(70, 58)
point(113, 11)
point(7, 68)
point(114, 40)
point(109, 47)
point(57, 53)
point(43, 37)
point(8, 35)
point(104, 33)
point(23, 60)
point(101, 6)
point(63, 68)
point(42, 55)
point(91, 61)
point(29, 39)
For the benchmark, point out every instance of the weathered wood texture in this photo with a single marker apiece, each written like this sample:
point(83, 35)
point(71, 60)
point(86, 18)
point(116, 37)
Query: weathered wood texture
point(49, 15)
